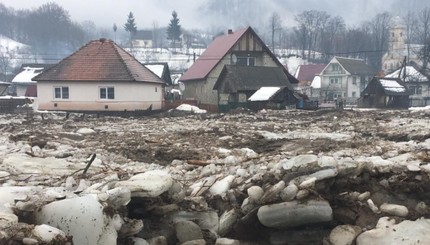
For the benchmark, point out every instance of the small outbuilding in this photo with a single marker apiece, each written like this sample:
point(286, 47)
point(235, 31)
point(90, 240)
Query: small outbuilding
point(383, 92)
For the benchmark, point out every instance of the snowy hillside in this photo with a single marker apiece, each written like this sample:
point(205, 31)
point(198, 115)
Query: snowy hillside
point(13, 54)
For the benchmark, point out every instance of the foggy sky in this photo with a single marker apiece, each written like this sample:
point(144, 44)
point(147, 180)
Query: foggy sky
point(197, 14)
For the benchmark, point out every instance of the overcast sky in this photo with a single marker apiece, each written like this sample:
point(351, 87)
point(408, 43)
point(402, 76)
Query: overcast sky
point(106, 12)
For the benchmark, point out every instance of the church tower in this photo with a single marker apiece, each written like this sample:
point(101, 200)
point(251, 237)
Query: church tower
point(396, 46)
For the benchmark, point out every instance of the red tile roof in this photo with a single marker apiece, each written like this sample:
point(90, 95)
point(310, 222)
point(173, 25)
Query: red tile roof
point(308, 72)
point(212, 55)
point(99, 60)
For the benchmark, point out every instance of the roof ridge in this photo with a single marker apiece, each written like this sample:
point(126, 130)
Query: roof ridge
point(117, 48)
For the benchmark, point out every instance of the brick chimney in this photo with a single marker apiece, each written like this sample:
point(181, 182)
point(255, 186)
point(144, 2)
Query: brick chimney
point(230, 31)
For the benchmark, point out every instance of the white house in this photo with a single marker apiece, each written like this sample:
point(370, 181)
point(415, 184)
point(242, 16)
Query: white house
point(344, 78)
point(417, 83)
point(99, 77)
point(23, 79)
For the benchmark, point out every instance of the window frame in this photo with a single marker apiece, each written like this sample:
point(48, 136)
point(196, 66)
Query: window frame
point(64, 92)
point(108, 92)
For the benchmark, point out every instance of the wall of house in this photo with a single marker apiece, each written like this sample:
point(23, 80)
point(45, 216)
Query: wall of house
point(340, 88)
point(84, 96)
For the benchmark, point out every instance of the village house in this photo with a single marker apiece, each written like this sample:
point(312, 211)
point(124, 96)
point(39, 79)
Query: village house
point(22, 84)
point(99, 77)
point(344, 79)
point(233, 55)
point(417, 83)
point(143, 39)
point(385, 92)
point(309, 79)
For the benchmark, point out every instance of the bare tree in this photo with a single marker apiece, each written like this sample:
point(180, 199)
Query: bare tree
point(275, 26)
point(5, 64)
point(411, 25)
point(379, 30)
point(332, 36)
point(424, 35)
point(311, 24)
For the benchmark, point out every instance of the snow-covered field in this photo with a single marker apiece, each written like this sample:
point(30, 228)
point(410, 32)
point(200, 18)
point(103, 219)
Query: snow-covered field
point(267, 177)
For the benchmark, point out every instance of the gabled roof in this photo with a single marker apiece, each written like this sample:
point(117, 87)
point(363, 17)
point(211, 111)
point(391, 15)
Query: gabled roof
point(99, 60)
point(390, 86)
point(355, 66)
point(143, 35)
point(27, 73)
point(220, 47)
point(411, 74)
point(247, 78)
point(308, 72)
point(213, 54)
point(161, 69)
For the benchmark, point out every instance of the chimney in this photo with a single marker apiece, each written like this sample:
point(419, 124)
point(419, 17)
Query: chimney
point(102, 39)
point(230, 31)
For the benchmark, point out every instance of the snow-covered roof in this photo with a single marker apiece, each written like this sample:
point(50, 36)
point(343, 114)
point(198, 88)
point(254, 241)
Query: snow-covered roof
point(392, 85)
point(157, 69)
point(27, 74)
point(316, 83)
point(264, 93)
point(9, 44)
point(412, 75)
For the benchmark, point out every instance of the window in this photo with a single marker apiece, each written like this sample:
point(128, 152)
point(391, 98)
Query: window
point(416, 89)
point(354, 80)
point(61, 92)
point(335, 81)
point(107, 93)
point(246, 61)
point(335, 67)
point(354, 94)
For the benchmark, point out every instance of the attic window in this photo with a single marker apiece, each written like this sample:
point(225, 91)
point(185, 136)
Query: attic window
point(245, 61)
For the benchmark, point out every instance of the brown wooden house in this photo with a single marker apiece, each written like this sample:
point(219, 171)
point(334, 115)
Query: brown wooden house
point(383, 92)
point(209, 82)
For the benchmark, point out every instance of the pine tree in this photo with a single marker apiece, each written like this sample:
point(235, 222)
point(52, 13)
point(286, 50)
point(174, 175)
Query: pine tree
point(130, 26)
point(174, 29)
point(114, 30)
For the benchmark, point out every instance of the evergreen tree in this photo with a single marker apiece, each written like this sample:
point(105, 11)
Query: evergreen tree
point(174, 29)
point(114, 30)
point(130, 26)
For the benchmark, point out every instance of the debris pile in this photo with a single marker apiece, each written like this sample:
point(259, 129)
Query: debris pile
point(268, 177)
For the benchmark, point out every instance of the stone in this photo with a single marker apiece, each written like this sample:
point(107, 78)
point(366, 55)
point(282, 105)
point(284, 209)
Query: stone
point(195, 242)
point(187, 231)
point(294, 214)
point(273, 192)
point(406, 232)
point(301, 161)
point(255, 193)
point(149, 184)
point(344, 234)
point(309, 183)
point(373, 207)
point(77, 216)
point(394, 209)
point(289, 192)
point(226, 221)
point(221, 186)
point(226, 241)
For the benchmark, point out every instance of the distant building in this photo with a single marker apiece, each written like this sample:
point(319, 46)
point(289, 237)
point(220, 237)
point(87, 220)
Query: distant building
point(417, 83)
point(344, 78)
point(398, 48)
point(308, 76)
point(22, 84)
point(143, 39)
point(384, 92)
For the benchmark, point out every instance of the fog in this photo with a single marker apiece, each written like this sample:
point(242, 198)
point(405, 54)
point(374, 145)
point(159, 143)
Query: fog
point(200, 14)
